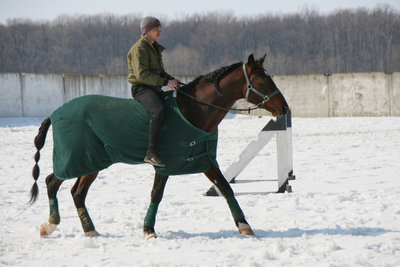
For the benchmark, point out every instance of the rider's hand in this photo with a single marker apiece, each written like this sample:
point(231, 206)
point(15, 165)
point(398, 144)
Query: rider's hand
point(173, 83)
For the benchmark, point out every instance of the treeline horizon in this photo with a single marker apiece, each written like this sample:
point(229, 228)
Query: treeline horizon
point(347, 40)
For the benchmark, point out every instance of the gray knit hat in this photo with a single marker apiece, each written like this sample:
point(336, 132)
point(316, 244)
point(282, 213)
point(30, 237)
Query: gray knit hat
point(149, 23)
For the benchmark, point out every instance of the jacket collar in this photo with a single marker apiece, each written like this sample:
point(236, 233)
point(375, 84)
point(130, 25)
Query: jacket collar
point(155, 44)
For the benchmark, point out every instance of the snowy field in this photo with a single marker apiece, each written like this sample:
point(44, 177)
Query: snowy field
point(344, 209)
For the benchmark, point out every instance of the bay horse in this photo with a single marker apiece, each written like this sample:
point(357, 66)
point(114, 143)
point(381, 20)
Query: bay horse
point(204, 103)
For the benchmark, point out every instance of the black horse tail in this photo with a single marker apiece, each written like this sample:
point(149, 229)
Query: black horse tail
point(39, 143)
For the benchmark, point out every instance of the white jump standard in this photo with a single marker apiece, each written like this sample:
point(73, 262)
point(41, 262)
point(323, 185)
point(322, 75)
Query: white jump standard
point(282, 128)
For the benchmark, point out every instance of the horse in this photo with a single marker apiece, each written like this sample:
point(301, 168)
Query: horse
point(204, 103)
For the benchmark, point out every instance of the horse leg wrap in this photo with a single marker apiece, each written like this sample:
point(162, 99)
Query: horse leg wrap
point(54, 217)
point(86, 222)
point(237, 212)
point(150, 219)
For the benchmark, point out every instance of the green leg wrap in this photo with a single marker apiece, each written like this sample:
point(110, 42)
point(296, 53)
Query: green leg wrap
point(150, 219)
point(54, 214)
point(86, 222)
point(237, 212)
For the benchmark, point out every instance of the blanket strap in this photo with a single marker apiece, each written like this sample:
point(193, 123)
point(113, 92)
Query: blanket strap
point(192, 144)
point(194, 157)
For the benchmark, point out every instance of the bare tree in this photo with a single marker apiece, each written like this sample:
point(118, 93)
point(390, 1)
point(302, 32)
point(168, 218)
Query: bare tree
point(346, 40)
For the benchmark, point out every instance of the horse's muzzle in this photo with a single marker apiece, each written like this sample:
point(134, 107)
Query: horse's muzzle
point(276, 112)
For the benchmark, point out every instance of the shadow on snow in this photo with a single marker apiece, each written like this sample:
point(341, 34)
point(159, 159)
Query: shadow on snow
point(290, 233)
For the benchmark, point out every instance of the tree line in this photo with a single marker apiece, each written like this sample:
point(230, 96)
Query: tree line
point(348, 40)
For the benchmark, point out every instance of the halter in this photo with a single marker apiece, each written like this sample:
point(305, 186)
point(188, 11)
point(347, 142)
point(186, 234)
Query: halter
point(250, 87)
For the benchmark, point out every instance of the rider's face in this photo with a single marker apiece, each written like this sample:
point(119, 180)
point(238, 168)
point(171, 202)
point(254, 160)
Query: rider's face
point(154, 34)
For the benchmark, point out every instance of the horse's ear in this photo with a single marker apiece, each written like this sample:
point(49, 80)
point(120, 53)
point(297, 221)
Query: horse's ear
point(250, 60)
point(261, 60)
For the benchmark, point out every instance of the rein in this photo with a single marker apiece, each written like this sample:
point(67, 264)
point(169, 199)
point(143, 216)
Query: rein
point(250, 87)
point(215, 106)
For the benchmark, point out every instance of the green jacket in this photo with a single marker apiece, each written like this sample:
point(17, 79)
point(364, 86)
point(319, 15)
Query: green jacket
point(146, 66)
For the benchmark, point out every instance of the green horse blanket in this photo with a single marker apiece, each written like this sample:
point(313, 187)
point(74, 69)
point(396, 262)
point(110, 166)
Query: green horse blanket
point(92, 132)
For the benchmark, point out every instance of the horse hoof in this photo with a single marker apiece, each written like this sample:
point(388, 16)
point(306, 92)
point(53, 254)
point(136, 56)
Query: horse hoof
point(149, 232)
point(247, 232)
point(150, 236)
point(93, 233)
point(245, 229)
point(47, 228)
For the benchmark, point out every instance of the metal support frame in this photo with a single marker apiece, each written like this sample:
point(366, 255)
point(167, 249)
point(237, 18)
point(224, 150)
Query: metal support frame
point(282, 128)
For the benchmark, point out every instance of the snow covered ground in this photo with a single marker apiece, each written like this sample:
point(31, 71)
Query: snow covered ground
point(344, 209)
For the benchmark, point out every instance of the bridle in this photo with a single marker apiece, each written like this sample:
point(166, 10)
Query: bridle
point(250, 87)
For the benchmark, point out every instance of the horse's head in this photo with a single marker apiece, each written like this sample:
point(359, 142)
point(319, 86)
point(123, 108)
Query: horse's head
point(260, 89)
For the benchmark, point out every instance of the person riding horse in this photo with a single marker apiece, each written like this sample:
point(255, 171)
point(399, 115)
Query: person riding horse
point(147, 76)
point(90, 134)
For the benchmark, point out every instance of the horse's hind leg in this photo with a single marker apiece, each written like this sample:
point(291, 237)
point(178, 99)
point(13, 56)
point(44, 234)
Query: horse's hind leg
point(156, 196)
point(79, 192)
point(53, 184)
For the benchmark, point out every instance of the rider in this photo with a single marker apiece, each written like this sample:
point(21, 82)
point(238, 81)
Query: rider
point(147, 76)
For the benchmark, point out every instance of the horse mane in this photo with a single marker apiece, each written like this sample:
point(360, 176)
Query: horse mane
point(213, 77)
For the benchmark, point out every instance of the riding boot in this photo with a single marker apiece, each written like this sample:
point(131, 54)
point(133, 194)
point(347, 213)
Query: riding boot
point(152, 149)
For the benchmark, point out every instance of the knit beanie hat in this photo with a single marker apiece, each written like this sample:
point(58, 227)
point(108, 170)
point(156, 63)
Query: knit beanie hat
point(149, 23)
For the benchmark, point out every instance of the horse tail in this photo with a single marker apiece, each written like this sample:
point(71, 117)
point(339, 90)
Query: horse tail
point(39, 143)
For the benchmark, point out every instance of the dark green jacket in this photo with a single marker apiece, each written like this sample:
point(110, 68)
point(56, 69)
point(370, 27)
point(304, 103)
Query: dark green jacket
point(145, 64)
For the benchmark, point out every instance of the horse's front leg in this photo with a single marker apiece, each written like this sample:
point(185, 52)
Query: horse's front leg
point(156, 196)
point(53, 184)
point(79, 192)
point(217, 178)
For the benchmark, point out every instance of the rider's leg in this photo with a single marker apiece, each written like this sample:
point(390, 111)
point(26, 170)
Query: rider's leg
point(152, 101)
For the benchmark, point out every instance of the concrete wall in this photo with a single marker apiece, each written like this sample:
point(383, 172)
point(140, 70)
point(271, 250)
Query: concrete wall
point(361, 94)
point(394, 84)
point(41, 94)
point(307, 95)
point(10, 95)
point(315, 95)
point(342, 94)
